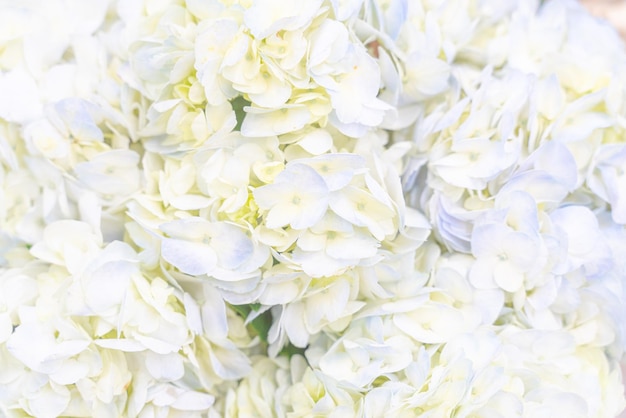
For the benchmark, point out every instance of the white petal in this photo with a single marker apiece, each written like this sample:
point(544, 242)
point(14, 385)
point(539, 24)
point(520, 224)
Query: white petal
point(165, 367)
point(192, 312)
point(260, 123)
point(357, 246)
point(507, 276)
point(319, 264)
point(6, 326)
point(19, 97)
point(107, 286)
point(316, 142)
point(310, 241)
point(481, 274)
point(581, 227)
point(267, 17)
point(345, 9)
point(337, 170)
point(487, 240)
point(49, 403)
point(293, 322)
point(123, 344)
point(193, 401)
point(70, 372)
point(229, 363)
point(232, 246)
point(556, 159)
point(189, 257)
point(214, 319)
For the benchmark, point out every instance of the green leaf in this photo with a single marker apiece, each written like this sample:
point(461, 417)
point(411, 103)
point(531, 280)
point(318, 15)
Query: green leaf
point(242, 310)
point(238, 103)
point(261, 324)
point(290, 350)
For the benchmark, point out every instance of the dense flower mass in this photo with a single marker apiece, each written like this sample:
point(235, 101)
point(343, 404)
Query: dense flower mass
point(344, 208)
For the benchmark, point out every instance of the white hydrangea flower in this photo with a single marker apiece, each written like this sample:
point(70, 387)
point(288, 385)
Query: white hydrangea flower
point(113, 174)
point(337, 208)
point(48, 140)
point(465, 375)
point(266, 17)
point(503, 256)
point(226, 172)
point(364, 353)
point(607, 180)
point(68, 243)
point(176, 185)
point(550, 356)
point(175, 401)
point(314, 393)
point(260, 393)
point(298, 197)
point(349, 204)
point(219, 249)
point(351, 76)
point(266, 122)
point(331, 245)
point(328, 303)
point(453, 277)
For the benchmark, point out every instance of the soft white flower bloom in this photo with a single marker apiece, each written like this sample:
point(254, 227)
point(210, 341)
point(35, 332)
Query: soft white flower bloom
point(315, 141)
point(47, 140)
point(472, 162)
point(586, 248)
point(19, 289)
point(102, 288)
point(313, 393)
point(214, 39)
point(171, 400)
point(282, 285)
point(350, 75)
point(176, 185)
point(68, 243)
point(227, 170)
point(452, 223)
point(337, 170)
point(608, 180)
point(548, 356)
point(51, 353)
point(550, 97)
point(267, 17)
point(364, 352)
point(364, 209)
point(111, 174)
point(77, 119)
point(298, 197)
point(426, 76)
point(465, 375)
point(224, 360)
point(548, 174)
point(219, 249)
point(452, 276)
point(25, 104)
point(430, 322)
point(156, 63)
point(503, 256)
point(331, 245)
point(329, 302)
point(260, 393)
point(266, 122)
point(336, 208)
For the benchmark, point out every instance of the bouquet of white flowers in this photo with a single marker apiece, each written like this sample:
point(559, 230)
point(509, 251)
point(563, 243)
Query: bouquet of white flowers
point(344, 208)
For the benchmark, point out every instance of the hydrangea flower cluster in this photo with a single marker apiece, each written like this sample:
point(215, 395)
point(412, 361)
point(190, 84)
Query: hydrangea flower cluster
point(372, 208)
